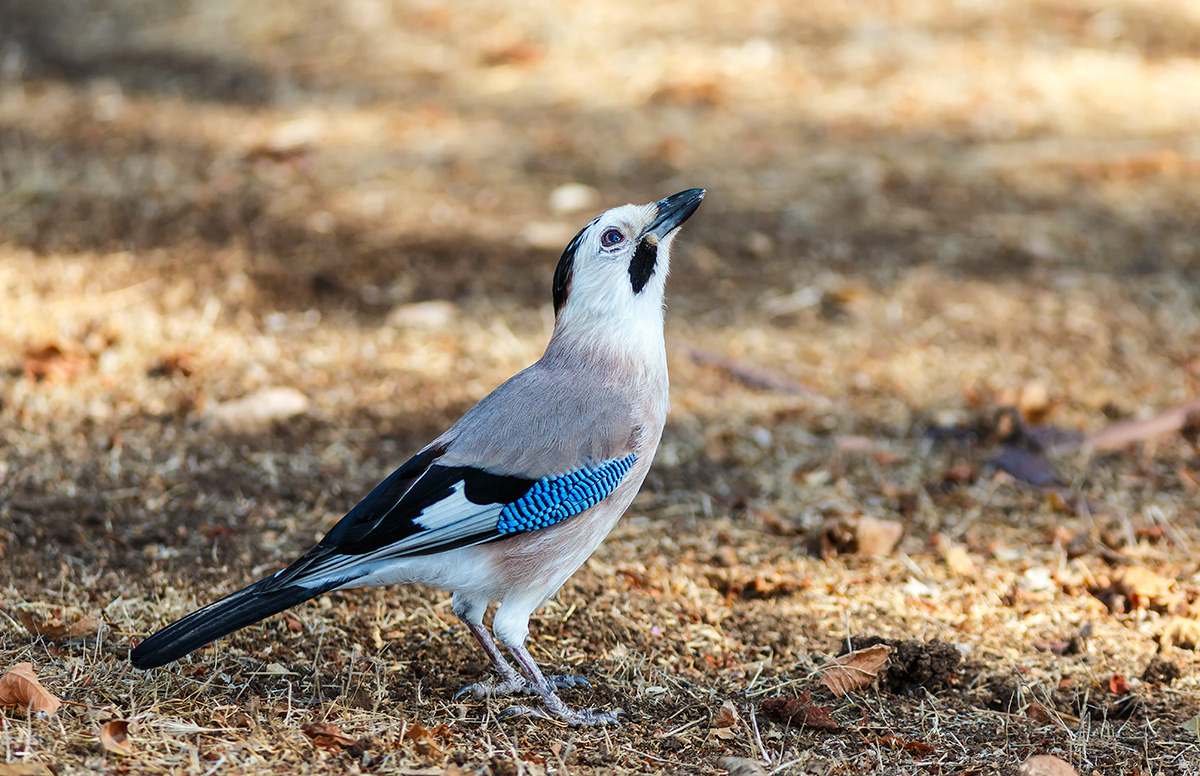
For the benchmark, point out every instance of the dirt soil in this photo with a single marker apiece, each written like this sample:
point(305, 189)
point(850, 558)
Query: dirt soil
point(944, 243)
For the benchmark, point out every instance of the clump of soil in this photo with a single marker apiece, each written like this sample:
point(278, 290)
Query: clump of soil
point(913, 664)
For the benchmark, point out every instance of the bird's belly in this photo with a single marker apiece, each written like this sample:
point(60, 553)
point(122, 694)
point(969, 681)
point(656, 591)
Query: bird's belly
point(462, 568)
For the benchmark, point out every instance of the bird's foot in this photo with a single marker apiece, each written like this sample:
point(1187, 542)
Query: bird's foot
point(562, 712)
point(519, 686)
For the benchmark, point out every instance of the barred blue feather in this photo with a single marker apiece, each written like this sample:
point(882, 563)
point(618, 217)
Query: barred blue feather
point(552, 499)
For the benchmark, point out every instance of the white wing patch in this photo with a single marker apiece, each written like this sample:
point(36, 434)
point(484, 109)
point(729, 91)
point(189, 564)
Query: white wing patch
point(456, 513)
point(445, 522)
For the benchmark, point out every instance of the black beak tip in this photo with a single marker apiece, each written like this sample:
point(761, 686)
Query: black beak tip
point(674, 210)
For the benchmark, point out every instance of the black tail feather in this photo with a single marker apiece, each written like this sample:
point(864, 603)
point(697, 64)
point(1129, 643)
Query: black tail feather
point(204, 626)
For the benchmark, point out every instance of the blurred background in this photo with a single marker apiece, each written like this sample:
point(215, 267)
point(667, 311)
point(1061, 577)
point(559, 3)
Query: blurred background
point(252, 255)
point(916, 212)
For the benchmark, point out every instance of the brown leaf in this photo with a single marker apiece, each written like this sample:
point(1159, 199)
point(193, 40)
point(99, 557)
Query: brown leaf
point(326, 735)
point(1142, 588)
point(55, 630)
point(182, 362)
point(1034, 402)
point(726, 716)
point(54, 363)
point(800, 711)
point(1046, 765)
point(742, 766)
point(955, 556)
point(114, 737)
point(1180, 632)
point(862, 535)
point(877, 538)
point(751, 584)
point(750, 375)
point(1122, 434)
point(854, 669)
point(426, 741)
point(25, 769)
point(20, 688)
point(915, 747)
point(1118, 685)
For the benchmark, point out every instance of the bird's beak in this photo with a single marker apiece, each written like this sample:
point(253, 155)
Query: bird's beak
point(674, 210)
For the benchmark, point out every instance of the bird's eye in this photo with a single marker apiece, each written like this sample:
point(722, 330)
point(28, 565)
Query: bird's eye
point(611, 237)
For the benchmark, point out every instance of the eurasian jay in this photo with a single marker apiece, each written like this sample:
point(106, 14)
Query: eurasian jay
point(515, 496)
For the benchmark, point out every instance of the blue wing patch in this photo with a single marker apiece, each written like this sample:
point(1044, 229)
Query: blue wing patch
point(552, 499)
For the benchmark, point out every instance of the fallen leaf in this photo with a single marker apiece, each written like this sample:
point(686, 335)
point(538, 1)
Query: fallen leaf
point(955, 556)
point(854, 669)
point(750, 584)
point(512, 53)
point(1034, 402)
point(25, 769)
point(182, 362)
point(799, 711)
point(855, 444)
point(425, 740)
point(1193, 726)
point(430, 315)
point(749, 375)
point(326, 735)
point(1180, 632)
point(1137, 587)
point(20, 688)
point(742, 766)
point(877, 538)
point(54, 363)
point(834, 537)
point(55, 630)
point(1041, 714)
point(1118, 685)
point(1046, 765)
point(1144, 583)
point(259, 410)
point(915, 747)
point(1127, 432)
point(726, 716)
point(863, 536)
point(114, 737)
point(1032, 468)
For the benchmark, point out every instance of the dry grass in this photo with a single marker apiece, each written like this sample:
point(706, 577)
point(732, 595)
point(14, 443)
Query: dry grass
point(916, 211)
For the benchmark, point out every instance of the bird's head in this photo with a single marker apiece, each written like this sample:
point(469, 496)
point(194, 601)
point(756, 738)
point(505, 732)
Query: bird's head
point(614, 272)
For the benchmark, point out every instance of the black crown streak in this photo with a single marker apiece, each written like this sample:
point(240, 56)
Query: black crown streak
point(565, 270)
point(641, 268)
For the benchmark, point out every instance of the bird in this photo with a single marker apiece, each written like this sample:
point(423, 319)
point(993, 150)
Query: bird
point(509, 502)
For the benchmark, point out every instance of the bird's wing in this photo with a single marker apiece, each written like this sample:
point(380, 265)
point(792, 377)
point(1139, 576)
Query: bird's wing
point(425, 507)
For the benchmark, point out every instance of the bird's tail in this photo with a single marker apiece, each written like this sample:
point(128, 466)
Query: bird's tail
point(201, 627)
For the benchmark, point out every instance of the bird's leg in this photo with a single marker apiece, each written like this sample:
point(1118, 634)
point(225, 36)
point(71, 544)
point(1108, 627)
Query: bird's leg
point(511, 681)
point(554, 706)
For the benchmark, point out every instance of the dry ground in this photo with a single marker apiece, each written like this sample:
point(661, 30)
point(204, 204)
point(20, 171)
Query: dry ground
point(918, 213)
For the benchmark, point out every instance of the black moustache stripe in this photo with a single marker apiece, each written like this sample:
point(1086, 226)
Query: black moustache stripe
point(641, 268)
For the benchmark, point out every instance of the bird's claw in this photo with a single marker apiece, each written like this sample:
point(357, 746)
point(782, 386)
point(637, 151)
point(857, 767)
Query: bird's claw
point(585, 718)
point(568, 682)
point(481, 690)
